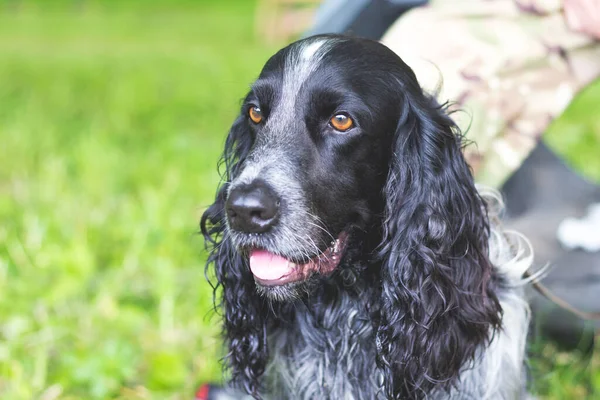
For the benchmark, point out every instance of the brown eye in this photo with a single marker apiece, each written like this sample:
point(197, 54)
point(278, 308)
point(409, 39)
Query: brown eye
point(341, 122)
point(255, 114)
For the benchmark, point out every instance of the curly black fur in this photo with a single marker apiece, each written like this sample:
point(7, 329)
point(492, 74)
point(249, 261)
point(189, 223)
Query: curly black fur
point(437, 303)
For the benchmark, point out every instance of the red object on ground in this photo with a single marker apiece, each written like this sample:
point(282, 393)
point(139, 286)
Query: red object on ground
point(202, 392)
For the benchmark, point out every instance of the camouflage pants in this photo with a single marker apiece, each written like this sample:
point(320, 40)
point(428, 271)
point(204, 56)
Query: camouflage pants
point(509, 69)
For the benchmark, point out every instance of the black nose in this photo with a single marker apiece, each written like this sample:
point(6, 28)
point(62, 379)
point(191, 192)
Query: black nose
point(252, 208)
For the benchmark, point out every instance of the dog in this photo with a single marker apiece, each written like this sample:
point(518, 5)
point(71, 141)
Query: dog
point(354, 256)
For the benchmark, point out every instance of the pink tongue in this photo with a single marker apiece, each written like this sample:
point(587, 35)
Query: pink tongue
point(268, 266)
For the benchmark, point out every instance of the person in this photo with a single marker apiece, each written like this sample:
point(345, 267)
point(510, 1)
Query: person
point(510, 66)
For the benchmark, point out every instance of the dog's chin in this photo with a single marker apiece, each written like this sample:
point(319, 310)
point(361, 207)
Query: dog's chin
point(290, 291)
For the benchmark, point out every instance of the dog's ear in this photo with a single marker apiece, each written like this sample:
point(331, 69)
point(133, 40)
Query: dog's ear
point(437, 305)
point(244, 319)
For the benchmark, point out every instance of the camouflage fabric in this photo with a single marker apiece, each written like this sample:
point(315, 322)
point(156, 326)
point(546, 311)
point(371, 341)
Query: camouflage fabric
point(510, 66)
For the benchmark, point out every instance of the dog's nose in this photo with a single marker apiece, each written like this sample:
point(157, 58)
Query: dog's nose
point(253, 208)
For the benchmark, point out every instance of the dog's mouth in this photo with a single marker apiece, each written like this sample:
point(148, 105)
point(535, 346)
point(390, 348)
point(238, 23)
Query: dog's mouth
point(270, 269)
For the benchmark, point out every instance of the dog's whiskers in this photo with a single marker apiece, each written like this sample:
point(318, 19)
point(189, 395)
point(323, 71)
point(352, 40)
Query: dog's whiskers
point(317, 225)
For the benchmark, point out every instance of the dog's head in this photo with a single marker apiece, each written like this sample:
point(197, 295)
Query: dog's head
point(319, 122)
point(338, 158)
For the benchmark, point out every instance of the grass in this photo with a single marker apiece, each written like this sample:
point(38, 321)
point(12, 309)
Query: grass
point(112, 117)
point(576, 135)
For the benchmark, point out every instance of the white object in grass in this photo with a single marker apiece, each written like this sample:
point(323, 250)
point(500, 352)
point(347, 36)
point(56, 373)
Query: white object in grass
point(581, 233)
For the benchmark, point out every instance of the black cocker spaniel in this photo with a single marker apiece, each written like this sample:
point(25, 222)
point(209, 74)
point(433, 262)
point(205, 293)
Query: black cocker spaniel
point(354, 256)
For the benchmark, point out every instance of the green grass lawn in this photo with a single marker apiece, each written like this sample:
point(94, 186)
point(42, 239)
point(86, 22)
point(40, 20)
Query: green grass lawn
point(112, 118)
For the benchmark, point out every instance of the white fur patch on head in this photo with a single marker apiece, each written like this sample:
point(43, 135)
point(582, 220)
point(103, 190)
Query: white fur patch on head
point(301, 62)
point(310, 50)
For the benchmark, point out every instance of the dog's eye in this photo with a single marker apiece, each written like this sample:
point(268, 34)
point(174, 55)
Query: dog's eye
point(255, 114)
point(341, 122)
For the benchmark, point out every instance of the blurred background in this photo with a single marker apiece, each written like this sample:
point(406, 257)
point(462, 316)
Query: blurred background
point(112, 117)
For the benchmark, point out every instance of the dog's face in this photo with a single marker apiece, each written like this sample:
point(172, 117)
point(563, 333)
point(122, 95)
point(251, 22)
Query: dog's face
point(321, 131)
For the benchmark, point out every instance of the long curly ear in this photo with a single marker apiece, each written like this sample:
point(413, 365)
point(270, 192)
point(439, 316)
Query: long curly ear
point(244, 319)
point(437, 305)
